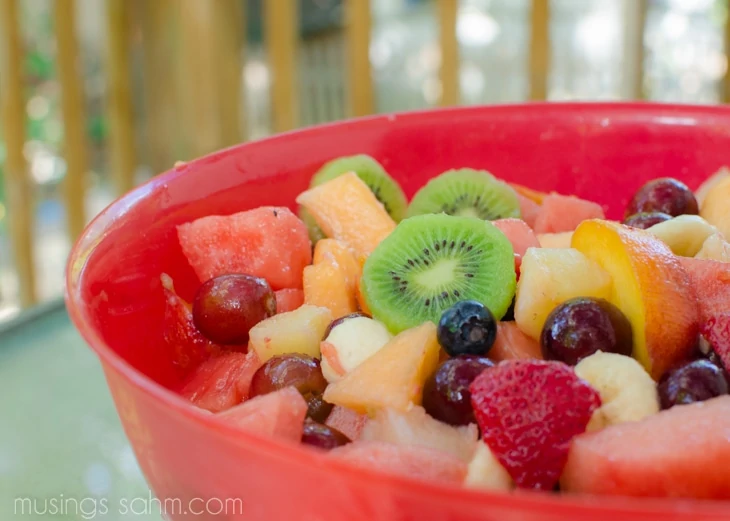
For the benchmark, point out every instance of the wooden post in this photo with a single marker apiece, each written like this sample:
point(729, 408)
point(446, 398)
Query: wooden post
point(70, 77)
point(358, 23)
point(281, 35)
point(120, 107)
point(539, 49)
point(725, 85)
point(447, 15)
point(638, 49)
point(229, 33)
point(19, 194)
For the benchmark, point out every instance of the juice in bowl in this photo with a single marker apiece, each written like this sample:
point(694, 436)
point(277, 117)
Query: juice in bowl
point(435, 315)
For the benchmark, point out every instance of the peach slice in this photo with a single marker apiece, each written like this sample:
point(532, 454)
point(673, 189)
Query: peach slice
point(346, 209)
point(393, 376)
point(650, 286)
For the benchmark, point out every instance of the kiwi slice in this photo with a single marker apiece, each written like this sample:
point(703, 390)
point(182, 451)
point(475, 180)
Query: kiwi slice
point(385, 188)
point(467, 193)
point(429, 262)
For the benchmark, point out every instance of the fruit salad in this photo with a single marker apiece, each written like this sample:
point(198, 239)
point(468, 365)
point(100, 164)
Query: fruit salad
point(483, 335)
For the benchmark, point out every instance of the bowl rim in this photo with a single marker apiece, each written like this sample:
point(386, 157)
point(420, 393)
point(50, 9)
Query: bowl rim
point(533, 501)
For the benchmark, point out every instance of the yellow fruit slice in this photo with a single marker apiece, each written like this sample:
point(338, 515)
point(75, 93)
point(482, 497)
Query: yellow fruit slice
point(392, 377)
point(347, 210)
point(715, 208)
point(649, 286)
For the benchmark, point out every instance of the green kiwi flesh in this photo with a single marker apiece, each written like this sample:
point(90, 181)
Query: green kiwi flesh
point(430, 262)
point(467, 193)
point(385, 188)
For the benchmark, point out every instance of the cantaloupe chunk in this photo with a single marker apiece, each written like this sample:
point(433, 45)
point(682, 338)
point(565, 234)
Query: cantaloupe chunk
point(326, 285)
point(393, 376)
point(343, 256)
point(346, 209)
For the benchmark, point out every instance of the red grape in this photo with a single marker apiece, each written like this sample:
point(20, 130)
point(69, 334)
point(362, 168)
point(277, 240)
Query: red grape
point(446, 395)
point(322, 436)
point(665, 195)
point(294, 370)
point(582, 326)
point(694, 382)
point(227, 307)
point(645, 220)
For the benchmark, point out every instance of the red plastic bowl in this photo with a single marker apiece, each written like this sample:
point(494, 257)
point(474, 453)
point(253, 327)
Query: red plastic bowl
point(599, 151)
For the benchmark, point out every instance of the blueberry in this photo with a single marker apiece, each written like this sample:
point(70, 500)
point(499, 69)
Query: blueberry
point(582, 326)
point(467, 328)
point(694, 382)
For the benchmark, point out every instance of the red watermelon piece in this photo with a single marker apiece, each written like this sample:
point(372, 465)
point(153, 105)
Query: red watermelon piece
point(347, 421)
point(681, 452)
point(279, 414)
point(221, 382)
point(563, 213)
point(412, 461)
point(519, 234)
point(188, 346)
point(528, 210)
point(288, 299)
point(268, 242)
point(711, 282)
point(513, 344)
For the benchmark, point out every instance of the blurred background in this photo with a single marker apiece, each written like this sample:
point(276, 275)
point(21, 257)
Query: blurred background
point(100, 95)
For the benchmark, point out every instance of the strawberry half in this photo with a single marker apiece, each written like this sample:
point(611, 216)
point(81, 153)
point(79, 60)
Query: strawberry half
point(717, 333)
point(529, 411)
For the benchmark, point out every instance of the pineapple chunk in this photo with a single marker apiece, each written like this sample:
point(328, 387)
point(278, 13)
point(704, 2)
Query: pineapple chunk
point(393, 376)
point(549, 277)
point(486, 472)
point(714, 248)
point(298, 331)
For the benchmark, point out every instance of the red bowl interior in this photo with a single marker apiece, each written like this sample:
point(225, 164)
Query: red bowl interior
point(602, 152)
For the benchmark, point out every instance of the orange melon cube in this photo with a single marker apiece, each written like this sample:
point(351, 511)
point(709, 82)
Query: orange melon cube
point(338, 252)
point(326, 285)
point(393, 376)
point(347, 210)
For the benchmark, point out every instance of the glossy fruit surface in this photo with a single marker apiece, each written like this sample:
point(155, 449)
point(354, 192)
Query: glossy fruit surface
point(295, 370)
point(323, 436)
point(467, 328)
point(582, 326)
point(694, 382)
point(227, 307)
point(446, 394)
point(600, 152)
point(664, 195)
point(645, 220)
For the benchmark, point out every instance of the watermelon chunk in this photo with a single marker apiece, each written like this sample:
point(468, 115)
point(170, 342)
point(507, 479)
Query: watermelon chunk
point(268, 242)
point(711, 282)
point(563, 213)
point(347, 421)
point(288, 299)
point(279, 414)
point(519, 234)
point(529, 209)
point(513, 344)
point(681, 452)
point(188, 346)
point(416, 462)
point(221, 382)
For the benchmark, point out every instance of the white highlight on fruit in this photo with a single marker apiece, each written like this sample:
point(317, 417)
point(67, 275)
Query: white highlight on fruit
point(715, 248)
point(352, 342)
point(684, 234)
point(627, 391)
point(486, 472)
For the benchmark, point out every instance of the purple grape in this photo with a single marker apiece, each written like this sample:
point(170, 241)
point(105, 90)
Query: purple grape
point(694, 382)
point(645, 220)
point(665, 195)
point(322, 436)
point(446, 394)
point(582, 326)
point(227, 307)
point(294, 370)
